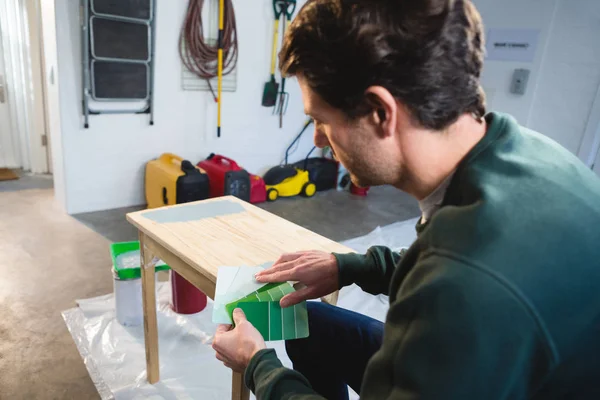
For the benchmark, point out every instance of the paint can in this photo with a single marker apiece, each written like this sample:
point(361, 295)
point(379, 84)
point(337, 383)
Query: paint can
point(185, 297)
point(128, 300)
point(127, 282)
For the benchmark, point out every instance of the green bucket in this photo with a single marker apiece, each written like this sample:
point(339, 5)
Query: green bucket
point(125, 266)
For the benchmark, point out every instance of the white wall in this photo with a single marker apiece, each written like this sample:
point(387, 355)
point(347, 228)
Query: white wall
point(565, 74)
point(590, 144)
point(104, 165)
point(570, 74)
point(497, 75)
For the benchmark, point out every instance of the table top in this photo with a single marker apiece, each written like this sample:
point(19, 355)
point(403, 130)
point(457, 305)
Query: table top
point(226, 231)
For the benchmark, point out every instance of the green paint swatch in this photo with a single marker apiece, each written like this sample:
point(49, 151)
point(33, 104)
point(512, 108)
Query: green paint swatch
point(263, 311)
point(255, 312)
point(275, 320)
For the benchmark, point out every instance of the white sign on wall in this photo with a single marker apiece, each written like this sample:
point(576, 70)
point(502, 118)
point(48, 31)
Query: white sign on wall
point(512, 44)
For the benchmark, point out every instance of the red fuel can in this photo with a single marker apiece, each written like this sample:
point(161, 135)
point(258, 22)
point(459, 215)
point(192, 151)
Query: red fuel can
point(185, 297)
point(358, 190)
point(227, 177)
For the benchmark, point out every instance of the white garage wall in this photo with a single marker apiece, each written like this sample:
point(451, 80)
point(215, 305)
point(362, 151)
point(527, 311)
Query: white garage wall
point(497, 75)
point(104, 165)
point(570, 74)
point(565, 74)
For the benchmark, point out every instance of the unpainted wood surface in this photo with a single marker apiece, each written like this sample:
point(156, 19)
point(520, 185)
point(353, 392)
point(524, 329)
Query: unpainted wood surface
point(239, 391)
point(249, 238)
point(149, 304)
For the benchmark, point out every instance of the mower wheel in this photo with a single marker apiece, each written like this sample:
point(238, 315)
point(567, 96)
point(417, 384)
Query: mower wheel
point(309, 189)
point(272, 194)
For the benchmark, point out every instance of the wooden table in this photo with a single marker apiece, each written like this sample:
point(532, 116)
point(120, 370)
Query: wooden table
point(195, 239)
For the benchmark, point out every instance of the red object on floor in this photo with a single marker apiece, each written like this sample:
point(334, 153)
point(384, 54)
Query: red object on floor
point(358, 190)
point(185, 297)
point(258, 191)
point(216, 166)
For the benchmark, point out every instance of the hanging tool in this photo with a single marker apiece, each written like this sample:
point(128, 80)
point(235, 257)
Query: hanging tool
point(271, 87)
point(202, 58)
point(280, 7)
point(287, 7)
point(220, 66)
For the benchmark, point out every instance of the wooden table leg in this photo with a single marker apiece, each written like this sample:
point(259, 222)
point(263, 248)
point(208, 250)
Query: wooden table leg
point(150, 323)
point(239, 391)
point(331, 298)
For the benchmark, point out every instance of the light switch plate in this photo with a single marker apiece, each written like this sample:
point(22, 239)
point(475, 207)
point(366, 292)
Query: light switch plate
point(519, 81)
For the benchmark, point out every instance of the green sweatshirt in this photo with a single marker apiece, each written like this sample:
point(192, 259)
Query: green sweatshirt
point(499, 296)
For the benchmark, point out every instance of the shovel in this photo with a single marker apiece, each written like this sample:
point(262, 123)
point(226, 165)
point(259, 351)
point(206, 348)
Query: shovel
point(270, 92)
point(269, 97)
point(287, 8)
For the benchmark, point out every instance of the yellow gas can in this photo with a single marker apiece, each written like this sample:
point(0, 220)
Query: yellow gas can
point(172, 180)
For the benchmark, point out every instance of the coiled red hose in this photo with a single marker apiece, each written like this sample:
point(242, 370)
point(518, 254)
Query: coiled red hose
point(196, 54)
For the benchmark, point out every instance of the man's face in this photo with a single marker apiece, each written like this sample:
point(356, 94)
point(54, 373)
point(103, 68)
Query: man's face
point(370, 158)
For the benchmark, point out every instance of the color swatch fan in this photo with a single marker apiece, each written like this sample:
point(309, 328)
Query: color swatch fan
point(236, 287)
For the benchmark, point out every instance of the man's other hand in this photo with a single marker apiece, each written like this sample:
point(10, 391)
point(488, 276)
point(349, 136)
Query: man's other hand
point(317, 270)
point(236, 347)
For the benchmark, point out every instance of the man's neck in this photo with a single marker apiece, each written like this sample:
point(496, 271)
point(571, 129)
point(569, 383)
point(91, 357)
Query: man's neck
point(430, 156)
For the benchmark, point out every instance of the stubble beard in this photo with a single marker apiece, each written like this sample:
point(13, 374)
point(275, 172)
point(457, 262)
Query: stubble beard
point(362, 174)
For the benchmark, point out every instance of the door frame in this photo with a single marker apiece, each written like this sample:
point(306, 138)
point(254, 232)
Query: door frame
point(38, 137)
point(590, 144)
point(51, 84)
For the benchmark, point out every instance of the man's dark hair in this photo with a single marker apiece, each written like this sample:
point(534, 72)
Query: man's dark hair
point(427, 53)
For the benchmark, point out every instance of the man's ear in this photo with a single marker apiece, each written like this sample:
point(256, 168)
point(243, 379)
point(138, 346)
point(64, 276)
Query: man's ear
point(384, 108)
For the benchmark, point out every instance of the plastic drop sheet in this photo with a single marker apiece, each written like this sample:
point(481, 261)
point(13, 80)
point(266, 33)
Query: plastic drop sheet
point(115, 356)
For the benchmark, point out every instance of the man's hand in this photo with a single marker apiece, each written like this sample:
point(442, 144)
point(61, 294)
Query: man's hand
point(236, 347)
point(317, 270)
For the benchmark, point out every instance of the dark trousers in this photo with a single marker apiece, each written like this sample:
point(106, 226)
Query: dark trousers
point(336, 353)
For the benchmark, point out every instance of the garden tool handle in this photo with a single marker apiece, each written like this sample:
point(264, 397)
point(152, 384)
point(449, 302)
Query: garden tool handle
point(220, 65)
point(286, 23)
point(287, 8)
point(274, 51)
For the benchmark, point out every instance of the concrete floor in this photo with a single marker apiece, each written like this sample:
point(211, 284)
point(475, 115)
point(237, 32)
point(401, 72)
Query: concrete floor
point(26, 181)
point(48, 259)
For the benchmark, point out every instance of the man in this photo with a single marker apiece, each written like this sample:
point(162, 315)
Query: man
point(499, 297)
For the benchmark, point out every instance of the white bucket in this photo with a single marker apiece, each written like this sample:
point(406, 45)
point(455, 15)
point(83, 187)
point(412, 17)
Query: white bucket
point(128, 301)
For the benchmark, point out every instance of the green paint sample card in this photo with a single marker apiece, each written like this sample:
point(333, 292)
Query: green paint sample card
point(262, 309)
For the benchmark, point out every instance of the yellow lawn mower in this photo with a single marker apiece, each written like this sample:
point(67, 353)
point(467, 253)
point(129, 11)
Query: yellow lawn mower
point(288, 181)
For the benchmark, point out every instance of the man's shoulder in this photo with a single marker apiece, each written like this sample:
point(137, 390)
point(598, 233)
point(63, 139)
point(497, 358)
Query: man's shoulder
point(522, 203)
point(518, 154)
